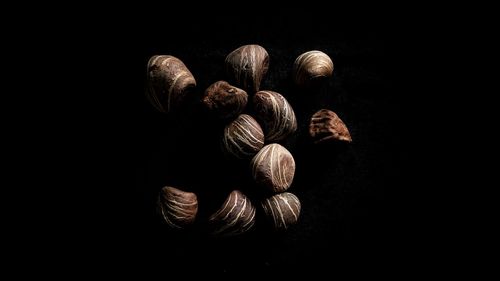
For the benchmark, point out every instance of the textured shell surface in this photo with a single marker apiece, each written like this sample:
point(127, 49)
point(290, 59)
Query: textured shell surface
point(326, 126)
point(275, 114)
point(178, 208)
point(247, 66)
point(224, 101)
point(169, 80)
point(243, 137)
point(282, 210)
point(236, 216)
point(273, 168)
point(310, 66)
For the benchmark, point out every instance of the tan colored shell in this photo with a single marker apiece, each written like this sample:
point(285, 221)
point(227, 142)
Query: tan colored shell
point(247, 66)
point(275, 114)
point(224, 101)
point(178, 208)
point(169, 81)
point(282, 210)
point(311, 66)
point(243, 137)
point(327, 126)
point(273, 168)
point(236, 216)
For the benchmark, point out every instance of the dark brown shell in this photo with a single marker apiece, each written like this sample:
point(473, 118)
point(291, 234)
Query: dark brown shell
point(275, 114)
point(327, 126)
point(243, 137)
point(236, 216)
point(311, 67)
point(282, 210)
point(178, 208)
point(247, 66)
point(224, 101)
point(273, 168)
point(169, 81)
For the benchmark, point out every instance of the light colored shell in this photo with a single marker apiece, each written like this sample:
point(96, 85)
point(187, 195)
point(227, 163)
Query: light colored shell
point(282, 209)
point(243, 137)
point(247, 65)
point(273, 168)
point(169, 80)
point(327, 126)
point(178, 208)
point(275, 114)
point(236, 216)
point(224, 101)
point(310, 66)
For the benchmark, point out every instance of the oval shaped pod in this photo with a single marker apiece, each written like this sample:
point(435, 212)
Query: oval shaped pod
point(282, 210)
point(169, 81)
point(224, 101)
point(247, 66)
point(326, 126)
point(312, 67)
point(275, 114)
point(236, 216)
point(273, 168)
point(178, 208)
point(243, 137)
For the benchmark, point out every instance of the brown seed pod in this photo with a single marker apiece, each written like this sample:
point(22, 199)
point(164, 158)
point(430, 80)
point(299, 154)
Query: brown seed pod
point(177, 207)
point(275, 114)
point(312, 67)
point(273, 168)
point(243, 137)
point(327, 126)
point(169, 81)
point(224, 101)
point(282, 210)
point(236, 216)
point(247, 65)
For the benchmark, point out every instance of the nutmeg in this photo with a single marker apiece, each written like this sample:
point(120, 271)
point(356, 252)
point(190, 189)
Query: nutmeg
point(275, 114)
point(224, 101)
point(273, 168)
point(282, 210)
point(169, 81)
point(177, 207)
point(243, 137)
point(311, 67)
point(247, 65)
point(327, 126)
point(236, 216)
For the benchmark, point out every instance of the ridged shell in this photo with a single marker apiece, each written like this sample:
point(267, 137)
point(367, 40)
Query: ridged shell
point(275, 114)
point(178, 208)
point(169, 81)
point(236, 216)
point(282, 210)
point(243, 137)
point(273, 168)
point(247, 66)
point(224, 101)
point(325, 125)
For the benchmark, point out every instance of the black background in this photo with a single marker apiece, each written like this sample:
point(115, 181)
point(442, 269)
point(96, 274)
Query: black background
point(352, 217)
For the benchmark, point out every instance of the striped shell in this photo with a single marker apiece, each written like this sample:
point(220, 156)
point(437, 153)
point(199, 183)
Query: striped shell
point(224, 101)
point(236, 216)
point(243, 137)
point(312, 66)
point(273, 168)
point(169, 81)
point(247, 65)
point(275, 114)
point(282, 210)
point(327, 126)
point(177, 207)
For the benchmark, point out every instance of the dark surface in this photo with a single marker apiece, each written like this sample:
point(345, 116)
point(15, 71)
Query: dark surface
point(349, 193)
